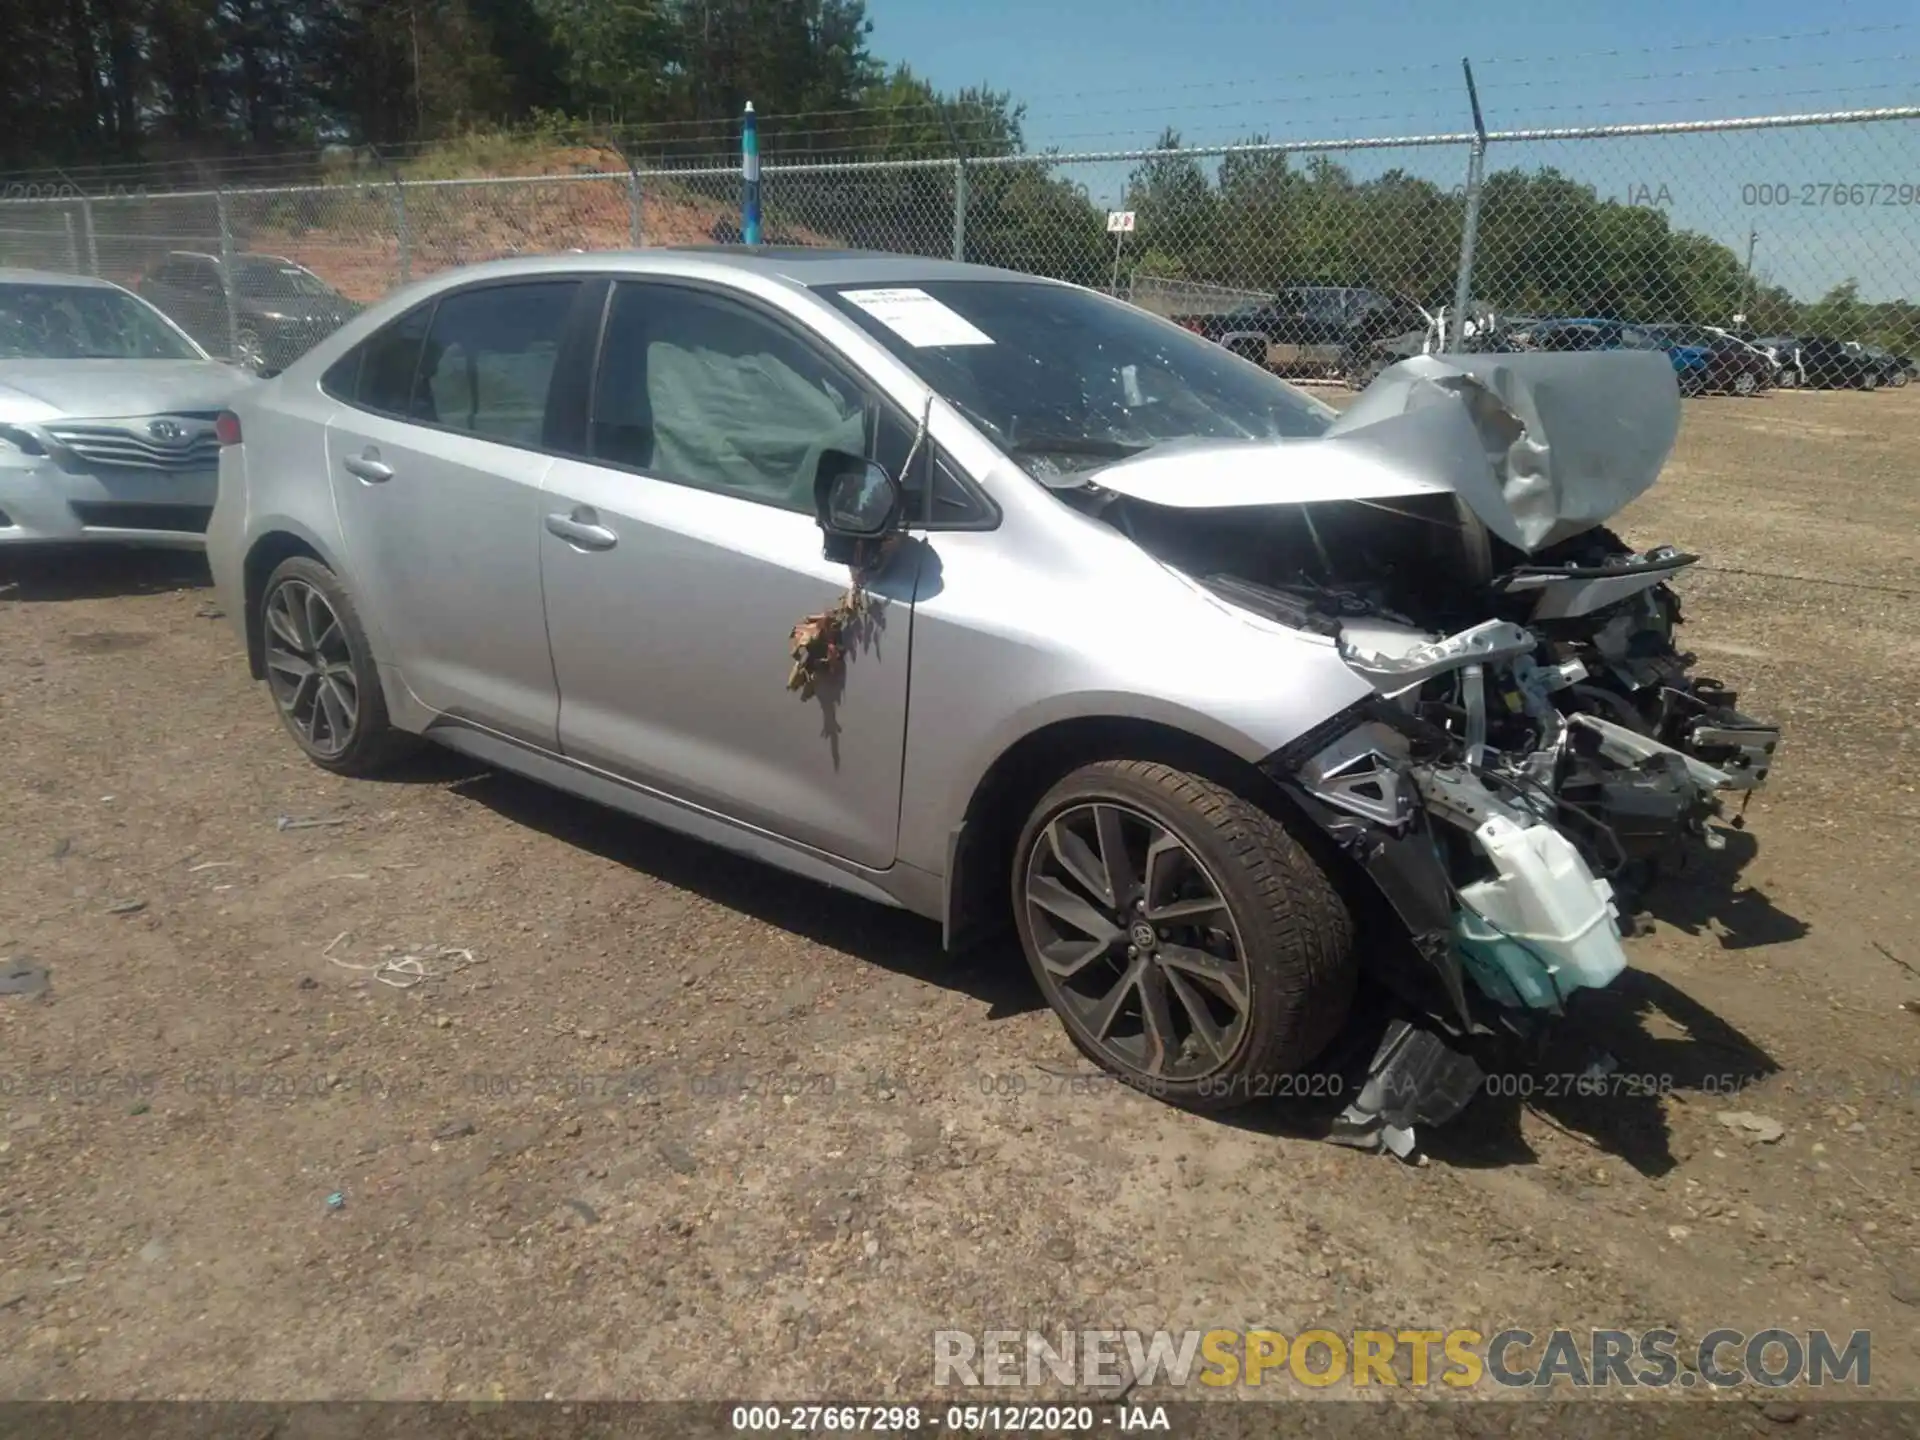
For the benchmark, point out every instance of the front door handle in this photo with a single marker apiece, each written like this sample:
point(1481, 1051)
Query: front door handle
point(582, 529)
point(369, 467)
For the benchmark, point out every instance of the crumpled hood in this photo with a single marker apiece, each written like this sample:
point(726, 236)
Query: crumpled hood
point(1539, 447)
point(33, 391)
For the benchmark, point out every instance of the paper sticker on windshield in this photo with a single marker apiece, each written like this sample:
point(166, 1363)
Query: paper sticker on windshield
point(917, 318)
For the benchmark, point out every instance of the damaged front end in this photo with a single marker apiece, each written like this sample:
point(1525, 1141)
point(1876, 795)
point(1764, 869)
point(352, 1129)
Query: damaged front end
point(1537, 747)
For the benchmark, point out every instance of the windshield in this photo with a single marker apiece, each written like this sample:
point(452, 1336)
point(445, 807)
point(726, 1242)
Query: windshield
point(1065, 380)
point(277, 279)
point(78, 322)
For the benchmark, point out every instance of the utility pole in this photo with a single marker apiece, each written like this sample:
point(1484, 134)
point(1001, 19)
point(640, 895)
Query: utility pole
point(1746, 282)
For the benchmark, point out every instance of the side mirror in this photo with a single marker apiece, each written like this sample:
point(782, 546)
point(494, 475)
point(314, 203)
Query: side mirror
point(854, 499)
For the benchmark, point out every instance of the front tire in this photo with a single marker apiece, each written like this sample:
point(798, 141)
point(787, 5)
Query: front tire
point(1188, 943)
point(1870, 380)
point(321, 672)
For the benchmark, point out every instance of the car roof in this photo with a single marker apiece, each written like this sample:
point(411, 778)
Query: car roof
point(806, 266)
point(10, 275)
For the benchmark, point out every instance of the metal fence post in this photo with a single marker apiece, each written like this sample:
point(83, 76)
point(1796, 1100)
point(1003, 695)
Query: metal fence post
point(1470, 221)
point(226, 272)
point(73, 242)
point(636, 232)
point(92, 237)
point(960, 207)
point(400, 230)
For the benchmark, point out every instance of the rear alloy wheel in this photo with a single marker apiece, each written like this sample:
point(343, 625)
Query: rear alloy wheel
point(1870, 381)
point(321, 671)
point(1188, 943)
point(1746, 383)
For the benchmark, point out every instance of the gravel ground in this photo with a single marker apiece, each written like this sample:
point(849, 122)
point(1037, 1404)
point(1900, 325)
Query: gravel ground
point(646, 1121)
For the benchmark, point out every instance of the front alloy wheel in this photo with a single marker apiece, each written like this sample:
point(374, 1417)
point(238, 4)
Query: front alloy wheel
point(1137, 946)
point(1188, 943)
point(1745, 383)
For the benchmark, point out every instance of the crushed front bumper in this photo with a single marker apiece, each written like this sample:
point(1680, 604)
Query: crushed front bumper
point(1497, 863)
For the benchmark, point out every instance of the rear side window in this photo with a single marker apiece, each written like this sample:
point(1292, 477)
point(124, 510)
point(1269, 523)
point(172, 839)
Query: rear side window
point(488, 360)
point(379, 373)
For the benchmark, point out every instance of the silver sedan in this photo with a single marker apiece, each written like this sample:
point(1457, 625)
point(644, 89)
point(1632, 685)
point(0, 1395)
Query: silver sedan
point(108, 416)
point(1005, 602)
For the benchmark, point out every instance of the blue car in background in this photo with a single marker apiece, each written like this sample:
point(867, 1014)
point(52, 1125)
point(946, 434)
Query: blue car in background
point(1702, 361)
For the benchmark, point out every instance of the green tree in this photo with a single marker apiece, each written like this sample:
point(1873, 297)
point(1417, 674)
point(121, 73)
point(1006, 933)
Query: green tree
point(1175, 208)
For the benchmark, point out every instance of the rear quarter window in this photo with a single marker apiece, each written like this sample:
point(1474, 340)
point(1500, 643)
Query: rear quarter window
point(378, 373)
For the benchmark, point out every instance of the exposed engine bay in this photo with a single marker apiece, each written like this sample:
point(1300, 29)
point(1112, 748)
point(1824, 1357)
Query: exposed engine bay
point(1556, 680)
point(1538, 748)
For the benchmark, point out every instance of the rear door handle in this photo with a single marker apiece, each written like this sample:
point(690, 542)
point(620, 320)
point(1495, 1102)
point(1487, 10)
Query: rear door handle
point(369, 467)
point(582, 529)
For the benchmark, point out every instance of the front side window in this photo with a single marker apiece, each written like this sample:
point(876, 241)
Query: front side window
point(85, 322)
point(702, 390)
point(1065, 380)
point(488, 360)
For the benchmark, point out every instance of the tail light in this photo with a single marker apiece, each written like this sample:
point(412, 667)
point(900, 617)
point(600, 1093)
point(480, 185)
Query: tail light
point(227, 428)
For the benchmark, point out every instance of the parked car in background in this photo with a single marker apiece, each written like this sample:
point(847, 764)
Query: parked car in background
point(281, 309)
point(1700, 364)
point(1895, 370)
point(1782, 351)
point(1218, 694)
point(1366, 358)
point(1774, 369)
point(1310, 329)
point(1828, 364)
point(1714, 360)
point(108, 416)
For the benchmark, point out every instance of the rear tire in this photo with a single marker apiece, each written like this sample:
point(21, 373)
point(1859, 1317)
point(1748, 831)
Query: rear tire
point(1189, 944)
point(321, 671)
point(1870, 381)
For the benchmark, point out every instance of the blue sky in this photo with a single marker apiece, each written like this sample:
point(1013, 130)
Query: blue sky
point(1109, 74)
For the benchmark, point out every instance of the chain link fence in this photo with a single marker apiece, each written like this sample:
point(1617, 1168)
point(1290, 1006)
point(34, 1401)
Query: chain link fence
point(1798, 235)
